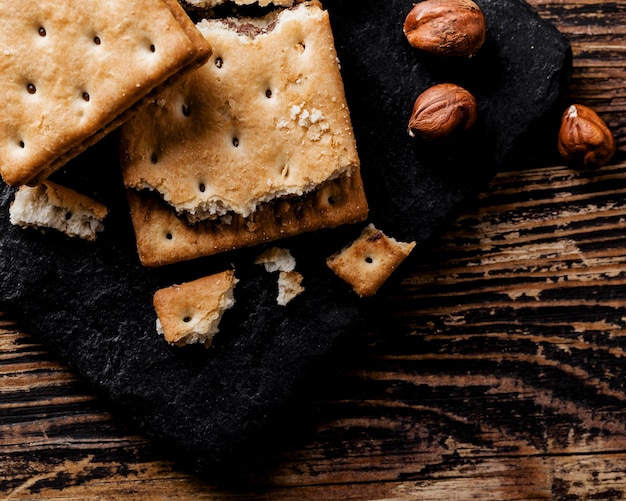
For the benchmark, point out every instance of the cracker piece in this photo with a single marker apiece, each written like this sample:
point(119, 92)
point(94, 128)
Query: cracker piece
point(50, 205)
point(367, 262)
point(266, 117)
point(191, 312)
point(289, 286)
point(72, 71)
point(165, 238)
point(276, 259)
point(289, 280)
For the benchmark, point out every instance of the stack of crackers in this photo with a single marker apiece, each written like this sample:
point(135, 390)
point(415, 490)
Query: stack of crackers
point(233, 130)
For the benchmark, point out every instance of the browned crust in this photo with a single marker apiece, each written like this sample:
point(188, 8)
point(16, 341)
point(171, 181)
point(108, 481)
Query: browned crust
point(165, 238)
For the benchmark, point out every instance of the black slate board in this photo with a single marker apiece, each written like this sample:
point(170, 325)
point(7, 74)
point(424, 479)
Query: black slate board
point(91, 302)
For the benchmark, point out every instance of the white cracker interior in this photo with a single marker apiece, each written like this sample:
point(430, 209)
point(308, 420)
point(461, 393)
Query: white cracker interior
point(69, 68)
point(265, 117)
point(51, 206)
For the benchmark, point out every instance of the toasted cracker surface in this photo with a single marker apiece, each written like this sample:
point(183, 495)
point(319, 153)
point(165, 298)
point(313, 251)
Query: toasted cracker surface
point(368, 262)
point(71, 71)
point(163, 237)
point(190, 312)
point(265, 117)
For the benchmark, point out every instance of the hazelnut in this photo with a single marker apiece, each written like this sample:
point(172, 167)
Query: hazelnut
point(441, 110)
point(446, 27)
point(584, 138)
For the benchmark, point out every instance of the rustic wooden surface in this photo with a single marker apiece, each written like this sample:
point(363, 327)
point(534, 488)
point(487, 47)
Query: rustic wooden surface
point(496, 369)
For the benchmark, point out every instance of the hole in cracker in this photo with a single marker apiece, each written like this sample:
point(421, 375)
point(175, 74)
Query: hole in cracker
point(152, 48)
point(236, 142)
point(187, 319)
point(42, 31)
point(169, 235)
point(300, 46)
point(285, 171)
point(97, 40)
point(21, 144)
point(86, 96)
point(219, 62)
point(186, 110)
point(154, 158)
point(68, 216)
point(202, 187)
point(331, 200)
point(369, 260)
point(268, 93)
point(31, 88)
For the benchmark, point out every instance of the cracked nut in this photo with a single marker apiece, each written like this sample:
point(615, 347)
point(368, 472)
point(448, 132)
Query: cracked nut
point(442, 110)
point(449, 28)
point(584, 138)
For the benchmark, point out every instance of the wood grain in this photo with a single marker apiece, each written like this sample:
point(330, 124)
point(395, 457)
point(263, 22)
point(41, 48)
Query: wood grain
point(495, 369)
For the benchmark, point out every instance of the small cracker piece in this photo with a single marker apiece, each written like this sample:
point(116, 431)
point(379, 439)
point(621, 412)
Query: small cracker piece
point(276, 259)
point(367, 262)
point(50, 205)
point(72, 71)
point(191, 312)
point(289, 280)
point(289, 286)
point(266, 117)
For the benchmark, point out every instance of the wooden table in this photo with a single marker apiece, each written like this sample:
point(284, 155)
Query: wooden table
point(496, 369)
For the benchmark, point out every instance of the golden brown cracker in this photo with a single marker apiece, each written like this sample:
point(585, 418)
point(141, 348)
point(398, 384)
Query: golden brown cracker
point(367, 262)
point(71, 71)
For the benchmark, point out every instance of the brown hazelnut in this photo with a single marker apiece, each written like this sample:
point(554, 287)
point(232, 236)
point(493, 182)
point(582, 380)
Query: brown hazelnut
point(584, 138)
point(446, 27)
point(441, 110)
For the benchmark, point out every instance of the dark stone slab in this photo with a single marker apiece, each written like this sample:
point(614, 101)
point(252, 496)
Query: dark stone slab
point(91, 302)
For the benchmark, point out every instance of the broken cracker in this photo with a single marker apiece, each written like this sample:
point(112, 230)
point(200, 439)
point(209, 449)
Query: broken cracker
point(50, 205)
point(191, 312)
point(289, 280)
point(163, 237)
point(266, 117)
point(367, 263)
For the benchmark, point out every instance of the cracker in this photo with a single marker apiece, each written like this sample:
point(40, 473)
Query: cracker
point(163, 237)
point(368, 262)
point(266, 117)
point(191, 312)
point(50, 205)
point(72, 71)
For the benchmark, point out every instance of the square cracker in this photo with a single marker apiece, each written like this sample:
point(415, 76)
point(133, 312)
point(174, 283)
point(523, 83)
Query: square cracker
point(71, 71)
point(367, 262)
point(164, 237)
point(266, 117)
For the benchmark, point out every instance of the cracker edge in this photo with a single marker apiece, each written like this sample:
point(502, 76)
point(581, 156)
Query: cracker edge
point(198, 58)
point(292, 216)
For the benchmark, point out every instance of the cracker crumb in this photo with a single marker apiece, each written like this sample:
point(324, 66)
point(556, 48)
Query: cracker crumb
point(289, 280)
point(289, 286)
point(276, 259)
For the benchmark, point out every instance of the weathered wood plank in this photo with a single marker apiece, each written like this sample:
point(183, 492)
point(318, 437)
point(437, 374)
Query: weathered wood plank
point(494, 371)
